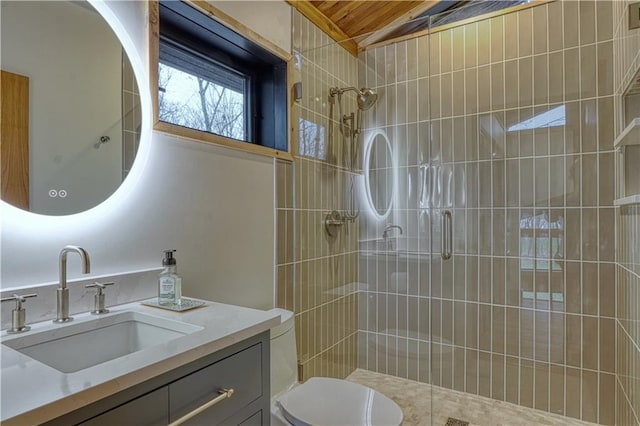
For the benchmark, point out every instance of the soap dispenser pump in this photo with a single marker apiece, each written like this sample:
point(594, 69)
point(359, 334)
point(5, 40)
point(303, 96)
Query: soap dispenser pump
point(169, 282)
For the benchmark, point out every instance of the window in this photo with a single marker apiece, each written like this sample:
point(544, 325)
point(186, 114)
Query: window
point(215, 81)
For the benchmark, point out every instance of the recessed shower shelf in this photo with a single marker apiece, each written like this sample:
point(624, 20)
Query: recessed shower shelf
point(626, 201)
point(630, 135)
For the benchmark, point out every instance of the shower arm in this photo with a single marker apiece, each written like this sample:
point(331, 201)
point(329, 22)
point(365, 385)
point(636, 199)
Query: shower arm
point(337, 91)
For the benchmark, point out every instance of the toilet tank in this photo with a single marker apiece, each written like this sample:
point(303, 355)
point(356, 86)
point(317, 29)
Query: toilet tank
point(284, 357)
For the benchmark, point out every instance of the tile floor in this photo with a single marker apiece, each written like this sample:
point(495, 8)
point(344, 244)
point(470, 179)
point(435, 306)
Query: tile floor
point(414, 399)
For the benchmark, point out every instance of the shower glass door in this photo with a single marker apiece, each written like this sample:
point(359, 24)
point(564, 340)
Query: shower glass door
point(519, 187)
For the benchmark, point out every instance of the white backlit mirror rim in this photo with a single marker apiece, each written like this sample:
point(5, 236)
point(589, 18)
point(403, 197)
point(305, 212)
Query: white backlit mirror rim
point(135, 55)
point(373, 137)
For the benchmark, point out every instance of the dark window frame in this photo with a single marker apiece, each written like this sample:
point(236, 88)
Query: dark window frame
point(187, 29)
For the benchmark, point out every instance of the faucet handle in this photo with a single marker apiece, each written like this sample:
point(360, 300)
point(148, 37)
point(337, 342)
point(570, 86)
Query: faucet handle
point(18, 315)
point(100, 286)
point(19, 298)
point(98, 299)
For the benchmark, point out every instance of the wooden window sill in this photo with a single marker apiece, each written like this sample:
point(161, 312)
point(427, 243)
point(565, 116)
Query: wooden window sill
point(204, 137)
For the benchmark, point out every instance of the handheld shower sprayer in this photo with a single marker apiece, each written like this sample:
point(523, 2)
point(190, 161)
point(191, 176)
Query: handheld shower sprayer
point(365, 99)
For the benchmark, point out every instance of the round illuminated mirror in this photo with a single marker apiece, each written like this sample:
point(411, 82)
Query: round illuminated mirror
point(379, 177)
point(70, 107)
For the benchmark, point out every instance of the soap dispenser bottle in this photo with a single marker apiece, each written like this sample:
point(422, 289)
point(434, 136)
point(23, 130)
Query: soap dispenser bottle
point(169, 282)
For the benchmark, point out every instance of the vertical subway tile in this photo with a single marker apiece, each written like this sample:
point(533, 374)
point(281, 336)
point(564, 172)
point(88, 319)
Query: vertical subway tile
point(573, 341)
point(484, 374)
point(589, 180)
point(606, 291)
point(556, 77)
point(589, 234)
point(497, 87)
point(497, 376)
point(607, 345)
point(526, 333)
point(587, 22)
point(572, 71)
point(606, 402)
point(471, 370)
point(471, 91)
point(573, 381)
point(458, 48)
point(525, 68)
point(605, 124)
point(484, 90)
point(511, 43)
point(589, 396)
point(484, 42)
point(540, 31)
point(588, 70)
point(526, 383)
point(497, 36)
point(541, 386)
point(571, 25)
point(525, 33)
point(590, 288)
point(512, 379)
point(605, 67)
point(604, 19)
point(590, 343)
point(446, 56)
point(556, 389)
point(511, 84)
point(554, 20)
point(471, 43)
point(540, 79)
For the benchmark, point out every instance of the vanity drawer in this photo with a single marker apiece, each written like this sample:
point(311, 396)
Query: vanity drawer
point(241, 372)
point(147, 410)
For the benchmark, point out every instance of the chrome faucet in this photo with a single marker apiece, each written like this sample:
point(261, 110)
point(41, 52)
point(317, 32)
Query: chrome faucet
point(62, 292)
point(385, 235)
point(389, 227)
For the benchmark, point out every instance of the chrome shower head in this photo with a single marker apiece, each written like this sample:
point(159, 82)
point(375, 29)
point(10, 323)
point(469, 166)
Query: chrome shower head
point(366, 98)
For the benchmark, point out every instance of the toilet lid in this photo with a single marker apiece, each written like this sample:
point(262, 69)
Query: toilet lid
point(324, 401)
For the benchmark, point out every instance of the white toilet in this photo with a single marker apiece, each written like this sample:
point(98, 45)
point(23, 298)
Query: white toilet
point(320, 400)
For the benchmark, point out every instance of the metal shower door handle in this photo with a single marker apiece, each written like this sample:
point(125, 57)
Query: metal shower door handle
point(447, 235)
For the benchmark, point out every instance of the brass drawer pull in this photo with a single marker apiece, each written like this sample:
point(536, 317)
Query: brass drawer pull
point(223, 394)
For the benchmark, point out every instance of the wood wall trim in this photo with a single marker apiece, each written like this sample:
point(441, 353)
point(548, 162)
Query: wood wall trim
point(325, 24)
point(505, 11)
point(154, 56)
point(197, 135)
point(204, 137)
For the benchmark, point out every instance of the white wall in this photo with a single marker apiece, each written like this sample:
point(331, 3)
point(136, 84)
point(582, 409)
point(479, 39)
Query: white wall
point(215, 206)
point(271, 18)
point(74, 65)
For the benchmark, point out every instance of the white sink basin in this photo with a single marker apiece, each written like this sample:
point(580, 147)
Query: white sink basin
point(82, 345)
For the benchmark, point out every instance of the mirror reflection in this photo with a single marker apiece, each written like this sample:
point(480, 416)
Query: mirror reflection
point(380, 174)
point(70, 109)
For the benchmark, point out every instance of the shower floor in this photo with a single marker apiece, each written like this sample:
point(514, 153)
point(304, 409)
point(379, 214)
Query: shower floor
point(414, 399)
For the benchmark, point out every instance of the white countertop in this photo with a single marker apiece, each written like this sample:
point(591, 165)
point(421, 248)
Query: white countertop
point(33, 393)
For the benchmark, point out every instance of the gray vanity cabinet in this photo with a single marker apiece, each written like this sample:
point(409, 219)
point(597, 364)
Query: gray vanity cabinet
point(240, 372)
point(243, 367)
point(144, 410)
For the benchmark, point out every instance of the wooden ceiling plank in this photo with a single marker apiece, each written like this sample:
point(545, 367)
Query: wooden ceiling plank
point(325, 24)
point(348, 12)
point(376, 18)
point(398, 22)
